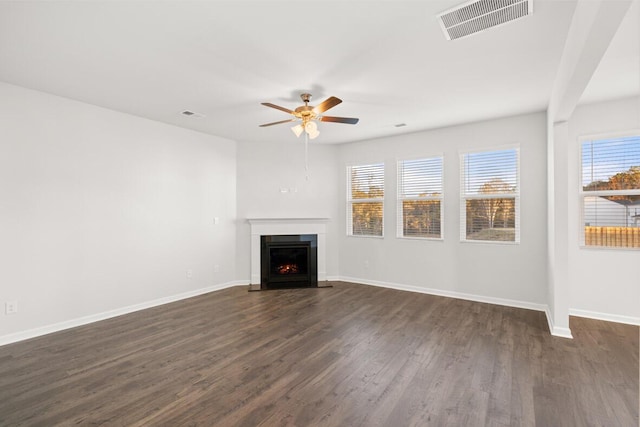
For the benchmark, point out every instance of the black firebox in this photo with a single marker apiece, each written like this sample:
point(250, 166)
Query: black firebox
point(288, 261)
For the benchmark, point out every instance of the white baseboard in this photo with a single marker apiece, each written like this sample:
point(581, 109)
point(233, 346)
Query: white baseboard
point(629, 320)
point(557, 331)
point(554, 330)
point(450, 294)
point(67, 324)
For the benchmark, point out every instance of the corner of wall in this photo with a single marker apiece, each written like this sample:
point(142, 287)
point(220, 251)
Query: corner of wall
point(557, 331)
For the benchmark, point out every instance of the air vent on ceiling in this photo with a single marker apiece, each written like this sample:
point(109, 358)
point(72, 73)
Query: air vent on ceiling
point(191, 114)
point(478, 15)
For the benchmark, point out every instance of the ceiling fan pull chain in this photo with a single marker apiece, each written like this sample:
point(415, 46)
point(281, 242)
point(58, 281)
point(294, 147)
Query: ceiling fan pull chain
point(306, 156)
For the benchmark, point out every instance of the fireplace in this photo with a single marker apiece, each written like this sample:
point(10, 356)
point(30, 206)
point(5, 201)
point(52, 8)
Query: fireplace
point(287, 227)
point(288, 261)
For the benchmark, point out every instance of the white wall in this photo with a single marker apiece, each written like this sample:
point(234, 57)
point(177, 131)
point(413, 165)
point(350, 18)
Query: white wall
point(604, 283)
point(266, 170)
point(516, 273)
point(100, 210)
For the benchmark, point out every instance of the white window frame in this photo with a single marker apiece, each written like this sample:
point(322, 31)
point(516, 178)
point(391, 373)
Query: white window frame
point(350, 200)
point(583, 194)
point(401, 197)
point(464, 197)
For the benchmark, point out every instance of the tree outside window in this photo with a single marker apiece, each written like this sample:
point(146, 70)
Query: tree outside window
point(420, 198)
point(610, 192)
point(365, 200)
point(490, 196)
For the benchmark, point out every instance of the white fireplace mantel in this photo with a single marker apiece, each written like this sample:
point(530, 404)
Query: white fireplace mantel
point(282, 226)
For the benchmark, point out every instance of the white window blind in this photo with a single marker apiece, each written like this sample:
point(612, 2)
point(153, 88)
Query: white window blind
point(365, 200)
point(490, 196)
point(420, 198)
point(610, 192)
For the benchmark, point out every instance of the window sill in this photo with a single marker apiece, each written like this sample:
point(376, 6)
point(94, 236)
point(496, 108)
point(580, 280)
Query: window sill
point(433, 239)
point(609, 248)
point(491, 242)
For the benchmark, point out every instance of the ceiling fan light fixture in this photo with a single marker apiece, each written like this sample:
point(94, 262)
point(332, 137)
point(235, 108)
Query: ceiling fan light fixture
point(297, 130)
point(308, 115)
point(311, 127)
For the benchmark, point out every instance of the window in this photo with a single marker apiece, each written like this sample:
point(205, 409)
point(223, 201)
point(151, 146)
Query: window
point(490, 196)
point(365, 200)
point(420, 198)
point(610, 192)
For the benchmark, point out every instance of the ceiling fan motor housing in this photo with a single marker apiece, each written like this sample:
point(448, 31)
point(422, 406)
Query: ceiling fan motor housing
point(305, 112)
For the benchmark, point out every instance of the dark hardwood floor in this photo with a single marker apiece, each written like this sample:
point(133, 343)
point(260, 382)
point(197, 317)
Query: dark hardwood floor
point(351, 355)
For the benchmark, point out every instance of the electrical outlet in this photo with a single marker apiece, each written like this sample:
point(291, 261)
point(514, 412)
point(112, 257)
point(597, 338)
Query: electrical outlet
point(189, 274)
point(216, 268)
point(11, 307)
point(216, 220)
point(366, 263)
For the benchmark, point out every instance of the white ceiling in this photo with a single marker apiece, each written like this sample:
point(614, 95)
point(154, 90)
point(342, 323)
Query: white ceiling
point(387, 60)
point(618, 74)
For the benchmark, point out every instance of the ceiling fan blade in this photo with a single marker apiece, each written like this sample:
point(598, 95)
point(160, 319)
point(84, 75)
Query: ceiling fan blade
point(277, 107)
point(326, 104)
point(277, 123)
point(347, 120)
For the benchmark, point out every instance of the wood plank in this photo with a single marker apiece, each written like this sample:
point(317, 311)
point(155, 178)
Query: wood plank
point(350, 355)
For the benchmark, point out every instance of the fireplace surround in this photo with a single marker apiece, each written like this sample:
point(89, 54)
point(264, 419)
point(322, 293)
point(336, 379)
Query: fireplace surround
point(287, 226)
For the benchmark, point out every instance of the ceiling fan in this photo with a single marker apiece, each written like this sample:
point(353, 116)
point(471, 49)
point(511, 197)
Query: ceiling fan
point(308, 114)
